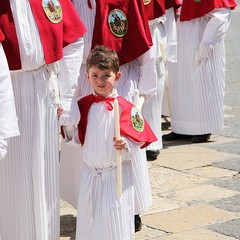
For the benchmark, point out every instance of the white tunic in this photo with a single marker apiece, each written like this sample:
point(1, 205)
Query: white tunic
point(101, 213)
point(29, 185)
point(197, 94)
point(138, 74)
point(152, 109)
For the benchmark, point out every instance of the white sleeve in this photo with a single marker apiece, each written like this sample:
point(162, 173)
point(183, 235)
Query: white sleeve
point(171, 32)
point(68, 76)
point(148, 77)
point(217, 26)
point(214, 33)
point(132, 147)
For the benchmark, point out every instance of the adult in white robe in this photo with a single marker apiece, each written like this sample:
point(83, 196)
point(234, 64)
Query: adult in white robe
point(197, 93)
point(29, 184)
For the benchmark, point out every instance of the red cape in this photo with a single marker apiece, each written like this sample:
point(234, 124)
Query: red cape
point(1, 36)
point(137, 39)
point(191, 9)
point(126, 129)
point(172, 4)
point(54, 36)
point(155, 9)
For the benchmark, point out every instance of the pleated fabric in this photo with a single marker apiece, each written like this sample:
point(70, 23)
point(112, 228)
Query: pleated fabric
point(29, 203)
point(70, 166)
point(125, 87)
point(152, 109)
point(197, 94)
point(101, 213)
point(142, 189)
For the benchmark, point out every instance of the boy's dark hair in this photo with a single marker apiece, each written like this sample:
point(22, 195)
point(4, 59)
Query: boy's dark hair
point(103, 58)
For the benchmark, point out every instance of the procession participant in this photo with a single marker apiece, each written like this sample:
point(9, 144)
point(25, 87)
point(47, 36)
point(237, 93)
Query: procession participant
point(130, 37)
point(197, 94)
point(103, 214)
point(8, 118)
point(37, 37)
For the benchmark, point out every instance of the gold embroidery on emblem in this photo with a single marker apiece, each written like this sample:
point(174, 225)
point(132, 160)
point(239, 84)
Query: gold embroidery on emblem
point(53, 10)
point(117, 22)
point(146, 2)
point(137, 120)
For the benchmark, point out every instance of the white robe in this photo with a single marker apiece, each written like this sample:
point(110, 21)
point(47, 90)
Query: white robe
point(138, 74)
point(152, 109)
point(197, 94)
point(29, 184)
point(101, 213)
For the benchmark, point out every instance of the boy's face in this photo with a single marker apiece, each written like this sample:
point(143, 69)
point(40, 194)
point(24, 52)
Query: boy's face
point(102, 81)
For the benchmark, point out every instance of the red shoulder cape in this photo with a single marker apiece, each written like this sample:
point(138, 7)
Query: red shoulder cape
point(135, 42)
point(191, 9)
point(172, 3)
point(54, 36)
point(155, 9)
point(147, 136)
point(1, 36)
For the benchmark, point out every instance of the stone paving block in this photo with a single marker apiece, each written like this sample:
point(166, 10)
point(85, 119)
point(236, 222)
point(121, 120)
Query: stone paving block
point(188, 157)
point(230, 228)
point(231, 204)
point(188, 218)
point(201, 193)
point(161, 204)
point(233, 184)
point(197, 234)
point(212, 172)
point(164, 179)
point(231, 164)
point(232, 147)
point(149, 233)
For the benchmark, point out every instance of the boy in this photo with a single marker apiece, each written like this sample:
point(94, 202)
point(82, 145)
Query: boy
point(101, 214)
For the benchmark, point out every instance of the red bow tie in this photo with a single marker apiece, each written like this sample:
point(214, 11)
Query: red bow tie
point(108, 101)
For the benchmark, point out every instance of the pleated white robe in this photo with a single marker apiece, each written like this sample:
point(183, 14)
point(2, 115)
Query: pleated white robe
point(152, 109)
point(29, 175)
point(101, 213)
point(197, 94)
point(138, 74)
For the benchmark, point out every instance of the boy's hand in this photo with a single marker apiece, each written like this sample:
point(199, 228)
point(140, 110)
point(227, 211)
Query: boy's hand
point(120, 144)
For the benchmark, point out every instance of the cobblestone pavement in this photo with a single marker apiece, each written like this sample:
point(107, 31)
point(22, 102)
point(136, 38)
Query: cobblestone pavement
point(195, 187)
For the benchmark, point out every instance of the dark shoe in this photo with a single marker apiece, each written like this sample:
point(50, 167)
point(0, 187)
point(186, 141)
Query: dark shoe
point(172, 136)
point(201, 138)
point(152, 154)
point(138, 223)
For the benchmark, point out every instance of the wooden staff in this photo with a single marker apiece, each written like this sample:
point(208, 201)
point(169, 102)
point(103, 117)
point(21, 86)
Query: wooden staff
point(119, 155)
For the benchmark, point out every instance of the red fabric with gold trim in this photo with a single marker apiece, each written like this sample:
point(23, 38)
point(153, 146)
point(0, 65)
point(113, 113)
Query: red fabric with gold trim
point(137, 39)
point(155, 9)
point(1, 36)
point(147, 136)
point(172, 4)
point(54, 36)
point(192, 9)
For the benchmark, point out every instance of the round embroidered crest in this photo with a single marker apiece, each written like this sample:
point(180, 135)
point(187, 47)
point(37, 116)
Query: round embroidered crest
point(117, 22)
point(137, 120)
point(53, 10)
point(146, 2)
